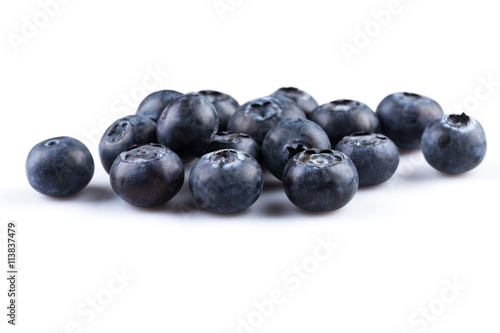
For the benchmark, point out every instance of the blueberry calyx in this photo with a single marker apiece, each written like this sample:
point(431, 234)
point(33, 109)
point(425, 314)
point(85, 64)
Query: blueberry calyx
point(343, 105)
point(148, 152)
point(51, 142)
point(263, 110)
point(412, 95)
point(364, 139)
point(294, 148)
point(118, 130)
point(228, 136)
point(458, 120)
point(320, 158)
point(224, 157)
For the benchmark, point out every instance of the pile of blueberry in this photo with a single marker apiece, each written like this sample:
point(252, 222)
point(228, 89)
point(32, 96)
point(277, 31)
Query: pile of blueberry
point(321, 153)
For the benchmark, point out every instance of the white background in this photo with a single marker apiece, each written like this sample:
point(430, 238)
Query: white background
point(193, 271)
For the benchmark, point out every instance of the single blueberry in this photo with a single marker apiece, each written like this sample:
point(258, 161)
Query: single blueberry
point(238, 141)
point(226, 181)
point(153, 105)
point(124, 133)
point(303, 100)
point(343, 117)
point(59, 167)
point(320, 180)
point(224, 104)
point(147, 175)
point(375, 156)
point(454, 143)
point(258, 116)
point(288, 138)
point(404, 116)
point(187, 126)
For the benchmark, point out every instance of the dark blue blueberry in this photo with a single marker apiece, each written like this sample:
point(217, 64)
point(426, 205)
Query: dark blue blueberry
point(124, 133)
point(238, 141)
point(344, 117)
point(147, 175)
point(303, 100)
point(224, 104)
point(320, 180)
point(188, 125)
point(226, 181)
point(153, 105)
point(375, 156)
point(59, 167)
point(288, 138)
point(454, 143)
point(404, 116)
point(258, 116)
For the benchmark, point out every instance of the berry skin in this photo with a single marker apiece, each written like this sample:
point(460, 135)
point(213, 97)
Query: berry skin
point(404, 117)
point(147, 175)
point(320, 180)
point(238, 141)
point(153, 105)
point(303, 100)
point(224, 104)
point(258, 116)
point(454, 143)
point(375, 156)
point(288, 138)
point(187, 126)
point(124, 133)
point(59, 167)
point(343, 117)
point(226, 181)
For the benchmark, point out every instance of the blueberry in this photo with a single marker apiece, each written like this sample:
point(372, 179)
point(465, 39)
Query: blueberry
point(344, 117)
point(147, 175)
point(122, 134)
point(375, 156)
point(288, 138)
point(238, 141)
point(303, 100)
point(404, 116)
point(187, 126)
point(320, 180)
point(226, 181)
point(257, 116)
point(59, 167)
point(224, 104)
point(153, 105)
point(454, 143)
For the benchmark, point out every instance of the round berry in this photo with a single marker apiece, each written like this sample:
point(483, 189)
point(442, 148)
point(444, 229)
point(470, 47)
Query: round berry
point(147, 175)
point(59, 167)
point(344, 117)
point(124, 133)
point(404, 117)
point(187, 126)
point(153, 105)
point(226, 181)
point(320, 180)
point(375, 156)
point(454, 143)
